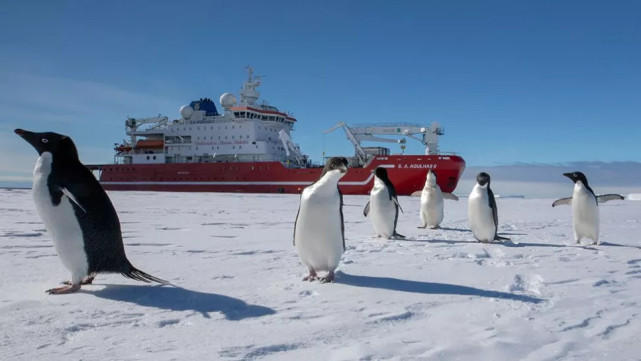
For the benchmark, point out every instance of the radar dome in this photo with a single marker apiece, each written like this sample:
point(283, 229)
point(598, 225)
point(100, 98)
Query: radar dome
point(227, 100)
point(186, 111)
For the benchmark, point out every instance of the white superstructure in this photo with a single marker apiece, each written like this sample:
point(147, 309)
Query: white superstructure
point(246, 132)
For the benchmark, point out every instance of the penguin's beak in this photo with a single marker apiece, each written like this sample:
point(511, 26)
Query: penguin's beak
point(26, 135)
point(569, 175)
point(30, 137)
point(343, 169)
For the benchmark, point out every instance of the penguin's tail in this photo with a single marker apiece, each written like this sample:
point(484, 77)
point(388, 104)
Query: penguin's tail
point(138, 275)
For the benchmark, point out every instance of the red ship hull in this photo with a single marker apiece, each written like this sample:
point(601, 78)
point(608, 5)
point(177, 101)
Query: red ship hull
point(407, 172)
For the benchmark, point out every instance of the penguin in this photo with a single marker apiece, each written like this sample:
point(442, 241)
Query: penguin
point(432, 202)
point(482, 211)
point(319, 230)
point(77, 214)
point(383, 206)
point(585, 210)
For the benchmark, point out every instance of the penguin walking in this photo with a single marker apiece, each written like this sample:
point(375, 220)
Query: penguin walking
point(482, 211)
point(383, 206)
point(77, 214)
point(585, 210)
point(432, 202)
point(319, 231)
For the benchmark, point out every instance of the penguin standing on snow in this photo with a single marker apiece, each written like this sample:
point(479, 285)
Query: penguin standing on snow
point(432, 202)
point(383, 206)
point(319, 231)
point(585, 210)
point(482, 211)
point(77, 214)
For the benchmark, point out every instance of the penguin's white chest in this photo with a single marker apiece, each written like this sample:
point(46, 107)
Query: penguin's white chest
point(318, 237)
point(432, 206)
point(585, 214)
point(60, 221)
point(480, 215)
point(382, 211)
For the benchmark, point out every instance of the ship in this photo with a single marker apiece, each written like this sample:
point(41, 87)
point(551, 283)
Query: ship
point(248, 148)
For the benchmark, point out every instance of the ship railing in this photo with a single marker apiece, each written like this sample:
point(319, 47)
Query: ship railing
point(389, 124)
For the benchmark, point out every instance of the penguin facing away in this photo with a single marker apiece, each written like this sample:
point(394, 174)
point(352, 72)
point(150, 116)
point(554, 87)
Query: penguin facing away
point(383, 206)
point(319, 231)
point(77, 214)
point(585, 210)
point(482, 211)
point(432, 204)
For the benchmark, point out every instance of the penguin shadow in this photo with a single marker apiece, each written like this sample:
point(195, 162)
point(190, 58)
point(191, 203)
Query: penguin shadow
point(608, 244)
point(512, 234)
point(445, 229)
point(528, 244)
point(452, 229)
point(445, 241)
point(428, 288)
point(181, 299)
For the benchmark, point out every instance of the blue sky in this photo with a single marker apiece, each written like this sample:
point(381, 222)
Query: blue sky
point(510, 81)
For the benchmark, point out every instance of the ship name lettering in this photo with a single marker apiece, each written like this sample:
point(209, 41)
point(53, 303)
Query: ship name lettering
point(417, 166)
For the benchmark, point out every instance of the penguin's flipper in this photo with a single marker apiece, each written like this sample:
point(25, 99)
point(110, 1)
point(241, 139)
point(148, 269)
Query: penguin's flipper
point(73, 199)
point(398, 204)
point(340, 208)
point(295, 222)
point(562, 201)
point(609, 197)
point(366, 210)
point(495, 212)
point(450, 196)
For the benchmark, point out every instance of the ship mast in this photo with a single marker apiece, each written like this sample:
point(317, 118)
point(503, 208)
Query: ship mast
point(249, 94)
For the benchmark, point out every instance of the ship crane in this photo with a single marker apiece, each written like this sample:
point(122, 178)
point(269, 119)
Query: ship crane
point(428, 136)
point(132, 124)
point(290, 146)
point(360, 152)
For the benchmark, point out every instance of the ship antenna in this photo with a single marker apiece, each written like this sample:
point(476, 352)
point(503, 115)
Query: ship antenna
point(250, 71)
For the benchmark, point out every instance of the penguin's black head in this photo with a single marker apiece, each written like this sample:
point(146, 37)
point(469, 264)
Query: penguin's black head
point(577, 176)
point(381, 173)
point(483, 179)
point(54, 143)
point(335, 164)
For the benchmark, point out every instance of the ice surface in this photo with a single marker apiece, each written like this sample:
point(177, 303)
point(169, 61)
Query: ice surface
point(438, 295)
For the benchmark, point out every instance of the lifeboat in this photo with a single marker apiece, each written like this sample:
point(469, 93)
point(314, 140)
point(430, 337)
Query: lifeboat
point(150, 144)
point(122, 148)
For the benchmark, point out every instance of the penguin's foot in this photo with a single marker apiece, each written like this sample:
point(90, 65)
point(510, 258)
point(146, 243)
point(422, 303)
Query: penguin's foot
point(327, 279)
point(311, 277)
point(64, 289)
point(85, 281)
point(423, 227)
point(435, 227)
point(595, 243)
